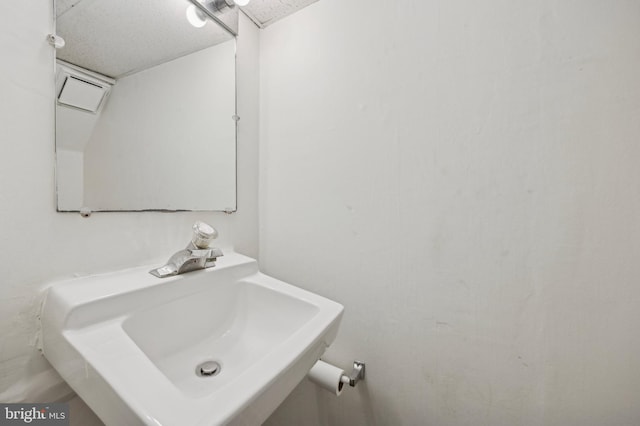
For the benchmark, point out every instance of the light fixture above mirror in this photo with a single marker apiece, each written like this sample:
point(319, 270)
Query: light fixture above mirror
point(221, 4)
point(195, 16)
point(224, 12)
point(198, 18)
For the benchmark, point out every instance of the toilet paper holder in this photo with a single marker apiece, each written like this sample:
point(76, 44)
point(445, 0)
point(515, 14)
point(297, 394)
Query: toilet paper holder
point(356, 374)
point(332, 378)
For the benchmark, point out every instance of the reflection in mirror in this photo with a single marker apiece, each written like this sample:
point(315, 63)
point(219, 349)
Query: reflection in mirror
point(145, 108)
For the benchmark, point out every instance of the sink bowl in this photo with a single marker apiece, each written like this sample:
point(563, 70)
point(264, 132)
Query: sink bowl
point(224, 345)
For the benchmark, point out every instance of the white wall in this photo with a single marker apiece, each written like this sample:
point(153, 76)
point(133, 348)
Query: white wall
point(166, 136)
point(39, 244)
point(463, 176)
point(69, 179)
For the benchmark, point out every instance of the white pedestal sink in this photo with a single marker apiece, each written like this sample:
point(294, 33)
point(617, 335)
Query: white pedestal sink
point(131, 344)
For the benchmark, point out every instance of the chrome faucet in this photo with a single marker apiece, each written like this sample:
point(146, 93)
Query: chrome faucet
point(197, 255)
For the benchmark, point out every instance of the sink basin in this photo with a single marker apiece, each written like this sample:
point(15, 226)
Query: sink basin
point(224, 345)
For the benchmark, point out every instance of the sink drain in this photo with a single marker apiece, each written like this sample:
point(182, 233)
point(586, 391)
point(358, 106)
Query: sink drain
point(208, 369)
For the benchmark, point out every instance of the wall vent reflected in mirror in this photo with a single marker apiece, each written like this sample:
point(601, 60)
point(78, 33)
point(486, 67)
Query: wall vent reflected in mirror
point(144, 108)
point(82, 94)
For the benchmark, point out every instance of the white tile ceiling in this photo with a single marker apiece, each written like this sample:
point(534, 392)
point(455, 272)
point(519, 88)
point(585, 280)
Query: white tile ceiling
point(119, 37)
point(266, 12)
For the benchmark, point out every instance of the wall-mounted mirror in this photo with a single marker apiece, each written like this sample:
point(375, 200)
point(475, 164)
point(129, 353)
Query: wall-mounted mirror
point(145, 107)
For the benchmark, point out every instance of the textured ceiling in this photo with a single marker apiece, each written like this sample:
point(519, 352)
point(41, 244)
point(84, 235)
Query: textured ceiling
point(119, 37)
point(266, 12)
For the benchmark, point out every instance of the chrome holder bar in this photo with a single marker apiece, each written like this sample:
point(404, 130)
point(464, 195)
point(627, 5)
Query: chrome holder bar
point(356, 375)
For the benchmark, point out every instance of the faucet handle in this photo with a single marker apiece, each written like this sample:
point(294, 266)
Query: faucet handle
point(203, 234)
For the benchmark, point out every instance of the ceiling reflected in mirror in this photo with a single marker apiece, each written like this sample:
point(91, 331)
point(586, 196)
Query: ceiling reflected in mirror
point(121, 37)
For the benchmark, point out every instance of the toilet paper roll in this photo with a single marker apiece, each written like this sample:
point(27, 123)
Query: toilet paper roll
point(327, 377)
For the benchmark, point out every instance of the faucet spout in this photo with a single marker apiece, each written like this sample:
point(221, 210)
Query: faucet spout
point(197, 255)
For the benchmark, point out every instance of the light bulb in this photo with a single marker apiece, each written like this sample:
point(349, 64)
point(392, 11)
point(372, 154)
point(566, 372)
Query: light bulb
point(241, 2)
point(195, 16)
